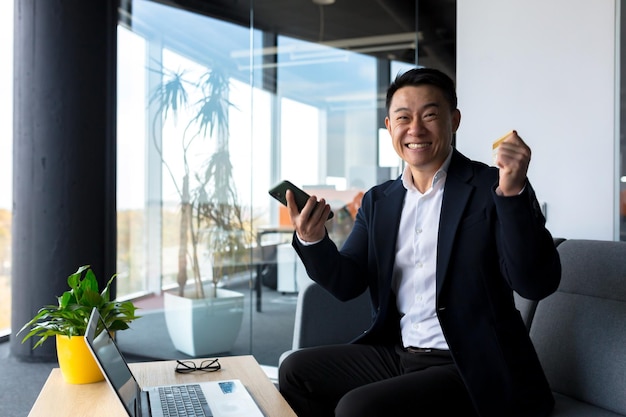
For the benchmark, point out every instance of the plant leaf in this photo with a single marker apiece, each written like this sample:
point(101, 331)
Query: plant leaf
point(71, 316)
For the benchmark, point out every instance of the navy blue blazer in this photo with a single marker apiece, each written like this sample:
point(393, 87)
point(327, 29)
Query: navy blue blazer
point(488, 246)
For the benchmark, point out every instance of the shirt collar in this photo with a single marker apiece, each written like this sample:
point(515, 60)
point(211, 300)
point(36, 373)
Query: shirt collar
point(442, 172)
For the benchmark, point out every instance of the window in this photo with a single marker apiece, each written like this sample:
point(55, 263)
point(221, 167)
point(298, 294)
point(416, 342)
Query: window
point(296, 110)
point(6, 146)
point(317, 125)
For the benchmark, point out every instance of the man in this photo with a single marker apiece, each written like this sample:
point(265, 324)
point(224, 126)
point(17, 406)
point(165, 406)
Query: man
point(441, 250)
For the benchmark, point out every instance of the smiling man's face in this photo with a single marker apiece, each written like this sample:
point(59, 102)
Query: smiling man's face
point(421, 125)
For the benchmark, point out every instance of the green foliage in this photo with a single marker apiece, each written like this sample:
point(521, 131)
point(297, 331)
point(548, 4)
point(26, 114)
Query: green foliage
point(71, 316)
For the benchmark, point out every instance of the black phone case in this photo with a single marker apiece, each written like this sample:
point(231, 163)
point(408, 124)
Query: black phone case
point(278, 192)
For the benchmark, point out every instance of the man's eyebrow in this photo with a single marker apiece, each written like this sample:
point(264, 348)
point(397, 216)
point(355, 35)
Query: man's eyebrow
point(424, 107)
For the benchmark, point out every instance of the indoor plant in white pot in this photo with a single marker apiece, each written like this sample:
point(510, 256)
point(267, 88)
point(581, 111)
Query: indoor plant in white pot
point(67, 322)
point(202, 322)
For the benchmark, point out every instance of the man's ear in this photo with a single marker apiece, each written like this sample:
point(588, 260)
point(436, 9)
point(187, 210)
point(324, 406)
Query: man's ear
point(456, 120)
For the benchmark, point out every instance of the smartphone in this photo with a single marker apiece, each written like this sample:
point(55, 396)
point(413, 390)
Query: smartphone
point(278, 192)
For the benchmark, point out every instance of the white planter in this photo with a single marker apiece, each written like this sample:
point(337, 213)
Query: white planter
point(203, 327)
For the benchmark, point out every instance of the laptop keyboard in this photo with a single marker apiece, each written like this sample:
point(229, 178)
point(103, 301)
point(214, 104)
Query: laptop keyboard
point(184, 401)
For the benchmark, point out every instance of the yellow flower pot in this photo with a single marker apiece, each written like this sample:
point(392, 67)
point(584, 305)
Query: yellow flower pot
point(76, 361)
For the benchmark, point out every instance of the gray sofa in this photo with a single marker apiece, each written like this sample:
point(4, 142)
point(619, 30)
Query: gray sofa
point(579, 332)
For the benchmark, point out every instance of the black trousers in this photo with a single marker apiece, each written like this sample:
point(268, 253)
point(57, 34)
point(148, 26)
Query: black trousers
point(373, 381)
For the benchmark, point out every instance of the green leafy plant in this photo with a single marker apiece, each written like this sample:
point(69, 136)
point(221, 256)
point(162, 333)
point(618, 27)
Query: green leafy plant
point(71, 316)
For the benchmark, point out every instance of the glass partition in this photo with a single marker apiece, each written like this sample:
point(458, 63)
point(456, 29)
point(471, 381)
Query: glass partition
point(211, 114)
point(6, 162)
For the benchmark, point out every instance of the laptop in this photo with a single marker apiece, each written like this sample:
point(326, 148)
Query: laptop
point(228, 398)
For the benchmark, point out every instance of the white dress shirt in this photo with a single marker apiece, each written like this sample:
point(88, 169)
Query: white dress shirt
point(416, 259)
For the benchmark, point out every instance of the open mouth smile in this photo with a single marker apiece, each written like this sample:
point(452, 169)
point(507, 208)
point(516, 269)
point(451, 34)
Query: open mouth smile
point(417, 145)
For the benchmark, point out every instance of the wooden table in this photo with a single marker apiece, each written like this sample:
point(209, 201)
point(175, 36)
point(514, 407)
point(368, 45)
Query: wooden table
point(58, 398)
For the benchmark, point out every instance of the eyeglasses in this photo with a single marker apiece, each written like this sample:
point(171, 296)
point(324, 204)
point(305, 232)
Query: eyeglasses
point(208, 365)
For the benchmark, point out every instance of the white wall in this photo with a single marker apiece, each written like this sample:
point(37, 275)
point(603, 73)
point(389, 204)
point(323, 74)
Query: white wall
point(547, 69)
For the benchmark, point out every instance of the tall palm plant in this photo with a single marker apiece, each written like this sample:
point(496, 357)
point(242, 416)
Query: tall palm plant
point(213, 205)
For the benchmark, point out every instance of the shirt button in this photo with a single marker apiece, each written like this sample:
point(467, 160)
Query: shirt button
point(420, 265)
point(418, 230)
point(416, 326)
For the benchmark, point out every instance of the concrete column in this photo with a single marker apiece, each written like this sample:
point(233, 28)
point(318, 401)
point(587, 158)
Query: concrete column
point(63, 152)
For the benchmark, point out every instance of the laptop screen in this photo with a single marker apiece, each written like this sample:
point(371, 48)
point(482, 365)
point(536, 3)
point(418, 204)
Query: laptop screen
point(112, 363)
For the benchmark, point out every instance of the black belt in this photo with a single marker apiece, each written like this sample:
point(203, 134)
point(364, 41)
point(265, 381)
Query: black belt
point(412, 349)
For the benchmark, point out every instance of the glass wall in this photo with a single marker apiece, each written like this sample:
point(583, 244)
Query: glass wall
point(211, 114)
point(317, 126)
point(6, 146)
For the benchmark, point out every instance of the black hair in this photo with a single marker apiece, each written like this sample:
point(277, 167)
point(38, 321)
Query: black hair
point(424, 76)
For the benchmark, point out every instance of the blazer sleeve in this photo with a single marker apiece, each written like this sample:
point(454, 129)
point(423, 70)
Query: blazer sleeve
point(528, 257)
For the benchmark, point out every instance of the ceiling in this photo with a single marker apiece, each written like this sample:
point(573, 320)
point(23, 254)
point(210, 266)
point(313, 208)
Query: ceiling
point(384, 28)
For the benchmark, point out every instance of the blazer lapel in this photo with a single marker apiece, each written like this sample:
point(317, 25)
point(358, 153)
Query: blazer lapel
point(386, 219)
point(455, 196)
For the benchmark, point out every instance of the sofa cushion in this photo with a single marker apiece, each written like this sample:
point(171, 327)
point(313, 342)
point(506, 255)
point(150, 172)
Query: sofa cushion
point(580, 330)
point(568, 407)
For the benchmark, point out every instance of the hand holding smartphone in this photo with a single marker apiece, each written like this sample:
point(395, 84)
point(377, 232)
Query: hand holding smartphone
point(279, 191)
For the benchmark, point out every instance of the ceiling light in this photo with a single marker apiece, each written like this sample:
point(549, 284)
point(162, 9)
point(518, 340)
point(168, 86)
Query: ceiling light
point(323, 2)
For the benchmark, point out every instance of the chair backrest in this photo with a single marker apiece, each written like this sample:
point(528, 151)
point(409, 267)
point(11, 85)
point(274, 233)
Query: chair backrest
point(580, 330)
point(321, 319)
